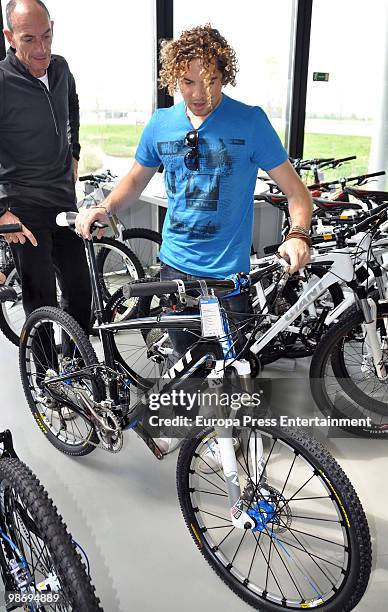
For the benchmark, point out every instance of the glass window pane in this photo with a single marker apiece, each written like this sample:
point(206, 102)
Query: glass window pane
point(343, 115)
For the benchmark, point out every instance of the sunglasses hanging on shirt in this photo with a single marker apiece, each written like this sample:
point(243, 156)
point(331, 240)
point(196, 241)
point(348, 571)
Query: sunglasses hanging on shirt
point(191, 159)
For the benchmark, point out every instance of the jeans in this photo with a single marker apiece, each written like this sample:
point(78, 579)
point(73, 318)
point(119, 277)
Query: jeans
point(238, 306)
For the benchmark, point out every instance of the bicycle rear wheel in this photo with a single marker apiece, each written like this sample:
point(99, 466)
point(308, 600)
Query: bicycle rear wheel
point(343, 379)
point(12, 315)
point(312, 548)
point(35, 545)
point(53, 344)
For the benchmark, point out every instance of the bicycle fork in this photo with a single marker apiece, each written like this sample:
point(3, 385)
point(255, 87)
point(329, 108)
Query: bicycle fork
point(372, 340)
point(240, 518)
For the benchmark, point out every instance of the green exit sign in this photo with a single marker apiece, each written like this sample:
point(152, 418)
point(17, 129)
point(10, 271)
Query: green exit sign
point(320, 76)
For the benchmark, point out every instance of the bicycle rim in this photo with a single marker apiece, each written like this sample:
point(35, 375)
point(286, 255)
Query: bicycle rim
point(302, 556)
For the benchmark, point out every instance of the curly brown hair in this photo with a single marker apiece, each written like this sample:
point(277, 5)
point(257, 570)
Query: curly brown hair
point(204, 43)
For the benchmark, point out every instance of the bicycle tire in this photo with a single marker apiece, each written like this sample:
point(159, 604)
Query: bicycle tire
point(111, 278)
point(47, 419)
point(5, 325)
point(214, 541)
point(132, 348)
point(12, 326)
point(37, 514)
point(146, 243)
point(330, 357)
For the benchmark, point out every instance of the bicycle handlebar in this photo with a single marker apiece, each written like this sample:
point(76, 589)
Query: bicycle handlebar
point(11, 228)
point(144, 287)
point(98, 178)
point(373, 215)
point(67, 219)
point(359, 180)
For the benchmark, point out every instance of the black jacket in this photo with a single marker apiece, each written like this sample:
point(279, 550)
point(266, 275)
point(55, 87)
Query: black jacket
point(38, 135)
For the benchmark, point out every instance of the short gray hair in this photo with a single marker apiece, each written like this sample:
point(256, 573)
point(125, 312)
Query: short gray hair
point(9, 9)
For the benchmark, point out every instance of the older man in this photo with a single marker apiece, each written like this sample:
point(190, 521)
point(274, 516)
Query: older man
point(39, 149)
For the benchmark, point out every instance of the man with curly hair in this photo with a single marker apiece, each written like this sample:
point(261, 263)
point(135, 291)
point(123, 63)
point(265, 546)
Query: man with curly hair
point(211, 147)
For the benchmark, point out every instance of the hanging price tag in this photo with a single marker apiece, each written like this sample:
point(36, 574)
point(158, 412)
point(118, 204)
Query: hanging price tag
point(211, 319)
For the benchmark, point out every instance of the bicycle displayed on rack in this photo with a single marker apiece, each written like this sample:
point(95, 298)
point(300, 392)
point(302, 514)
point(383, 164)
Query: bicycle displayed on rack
point(274, 515)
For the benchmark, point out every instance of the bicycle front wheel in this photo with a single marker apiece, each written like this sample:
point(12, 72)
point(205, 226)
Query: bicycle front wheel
point(310, 549)
point(35, 545)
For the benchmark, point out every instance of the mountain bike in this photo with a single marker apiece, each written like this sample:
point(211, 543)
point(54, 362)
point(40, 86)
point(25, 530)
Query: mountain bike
point(355, 384)
point(275, 517)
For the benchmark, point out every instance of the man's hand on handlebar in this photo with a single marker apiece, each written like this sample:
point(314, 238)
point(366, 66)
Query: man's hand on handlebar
point(20, 237)
point(85, 219)
point(297, 251)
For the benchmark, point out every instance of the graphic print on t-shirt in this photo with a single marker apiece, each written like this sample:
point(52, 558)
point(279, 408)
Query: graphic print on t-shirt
point(202, 187)
point(195, 230)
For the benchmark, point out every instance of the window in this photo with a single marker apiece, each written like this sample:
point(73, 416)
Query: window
point(343, 116)
point(109, 48)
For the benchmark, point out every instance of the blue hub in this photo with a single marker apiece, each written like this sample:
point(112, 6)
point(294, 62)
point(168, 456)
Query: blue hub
point(263, 513)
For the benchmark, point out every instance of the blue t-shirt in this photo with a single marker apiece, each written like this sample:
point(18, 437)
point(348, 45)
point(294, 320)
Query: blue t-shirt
point(209, 221)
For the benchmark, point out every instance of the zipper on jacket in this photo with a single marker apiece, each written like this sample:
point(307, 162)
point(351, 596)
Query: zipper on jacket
point(51, 107)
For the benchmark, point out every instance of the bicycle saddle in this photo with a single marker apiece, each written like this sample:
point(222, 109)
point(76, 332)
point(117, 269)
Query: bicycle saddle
point(365, 195)
point(324, 204)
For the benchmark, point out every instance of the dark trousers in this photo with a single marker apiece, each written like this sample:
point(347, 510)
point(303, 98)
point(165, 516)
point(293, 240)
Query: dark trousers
point(59, 255)
point(237, 307)
point(59, 247)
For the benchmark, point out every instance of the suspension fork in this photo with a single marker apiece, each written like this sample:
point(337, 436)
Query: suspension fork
point(240, 518)
point(369, 310)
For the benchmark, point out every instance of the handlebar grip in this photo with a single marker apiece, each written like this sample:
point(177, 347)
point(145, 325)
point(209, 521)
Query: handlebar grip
point(67, 219)
point(86, 177)
point(142, 289)
point(11, 228)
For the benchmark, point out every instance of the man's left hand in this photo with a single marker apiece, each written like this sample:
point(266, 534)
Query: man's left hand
point(297, 251)
point(75, 169)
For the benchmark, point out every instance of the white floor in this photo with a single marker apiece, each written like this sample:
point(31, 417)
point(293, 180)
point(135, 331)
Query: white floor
point(123, 510)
